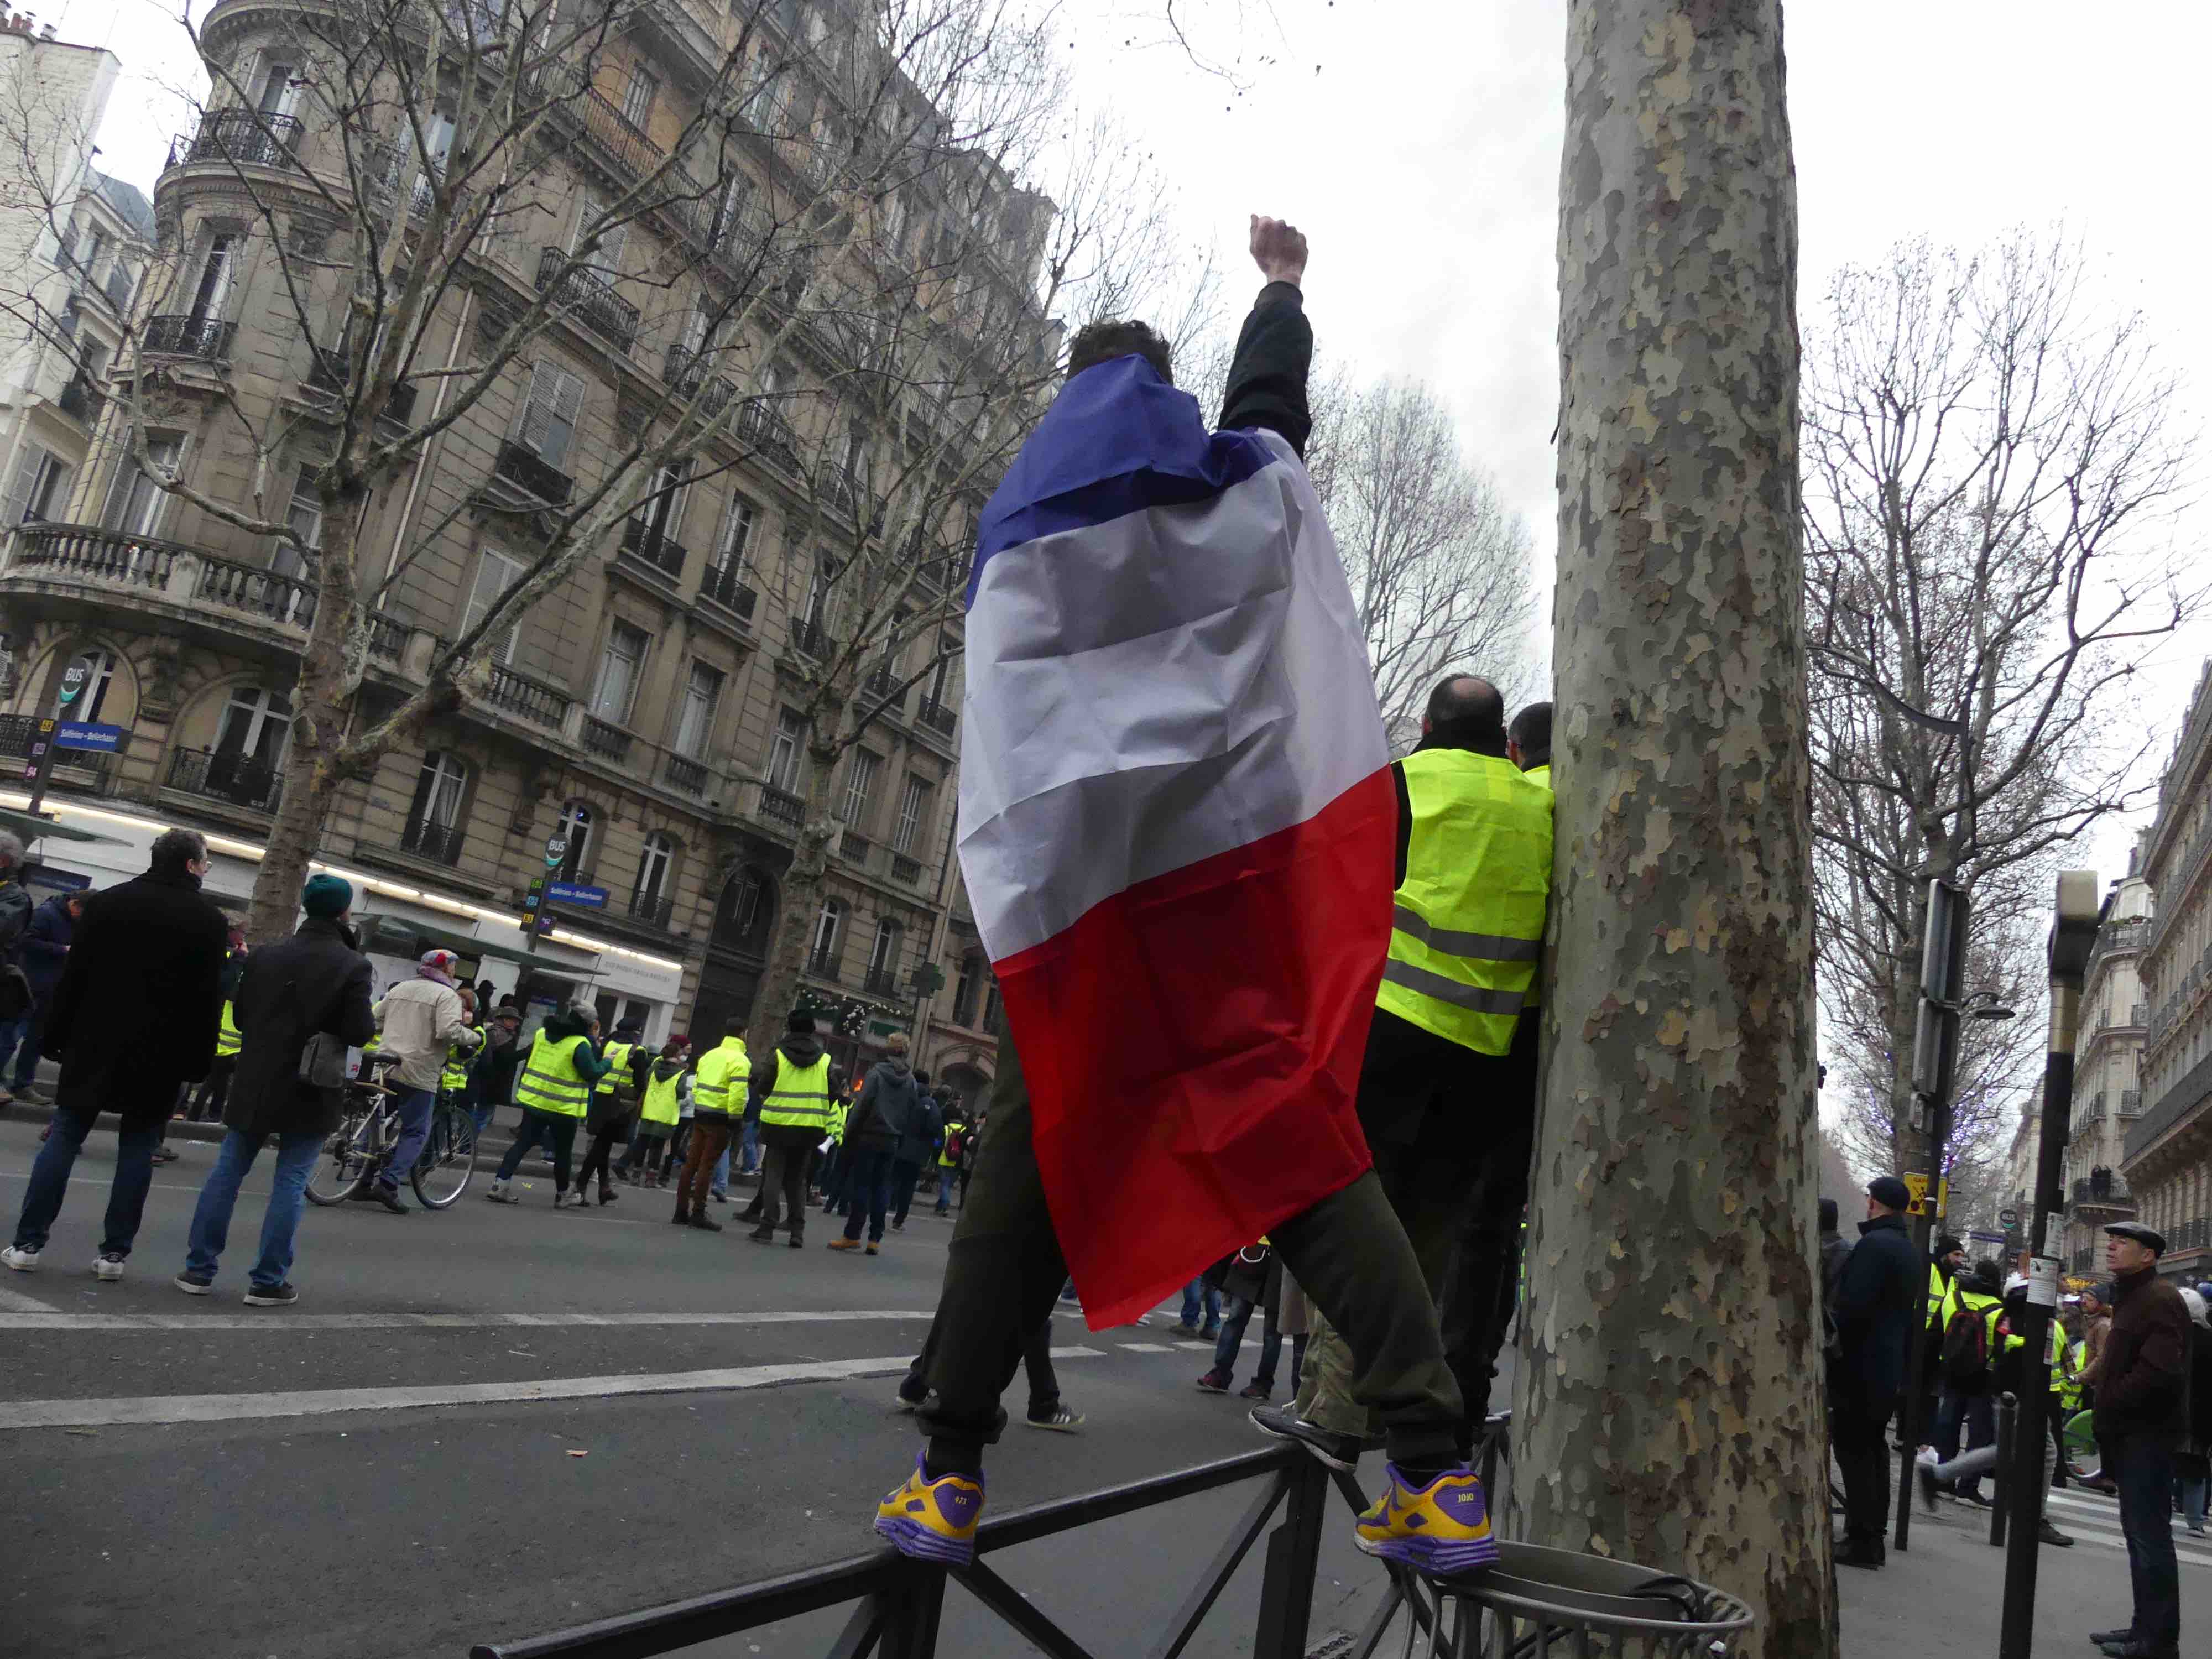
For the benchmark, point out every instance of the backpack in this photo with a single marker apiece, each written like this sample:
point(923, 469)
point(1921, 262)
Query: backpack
point(955, 1138)
point(1966, 1351)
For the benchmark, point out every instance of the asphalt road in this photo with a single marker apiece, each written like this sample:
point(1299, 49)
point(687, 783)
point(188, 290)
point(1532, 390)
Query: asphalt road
point(391, 1468)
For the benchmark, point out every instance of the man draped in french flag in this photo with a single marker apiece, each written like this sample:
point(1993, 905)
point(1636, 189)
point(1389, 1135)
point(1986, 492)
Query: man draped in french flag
point(1177, 827)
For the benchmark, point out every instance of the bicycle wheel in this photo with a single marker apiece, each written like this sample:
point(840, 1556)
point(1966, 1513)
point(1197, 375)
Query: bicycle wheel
point(449, 1158)
point(2083, 1460)
point(344, 1163)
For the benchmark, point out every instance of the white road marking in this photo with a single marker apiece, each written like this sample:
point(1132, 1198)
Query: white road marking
point(319, 1402)
point(16, 1301)
point(1147, 1348)
point(45, 1319)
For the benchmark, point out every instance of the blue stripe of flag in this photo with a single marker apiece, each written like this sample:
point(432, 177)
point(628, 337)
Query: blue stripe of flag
point(1118, 440)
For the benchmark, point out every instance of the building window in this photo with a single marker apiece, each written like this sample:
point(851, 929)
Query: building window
point(576, 823)
point(638, 95)
point(883, 955)
point(605, 262)
point(822, 959)
point(990, 1008)
point(786, 754)
point(547, 421)
point(662, 510)
point(622, 665)
point(968, 990)
point(217, 270)
point(92, 694)
point(859, 785)
point(39, 487)
point(279, 91)
point(251, 733)
point(914, 809)
point(654, 867)
point(139, 502)
point(495, 574)
point(737, 534)
point(305, 515)
point(694, 722)
point(439, 787)
point(747, 893)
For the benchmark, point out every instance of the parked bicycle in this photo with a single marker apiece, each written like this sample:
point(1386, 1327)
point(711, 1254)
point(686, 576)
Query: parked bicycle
point(367, 1135)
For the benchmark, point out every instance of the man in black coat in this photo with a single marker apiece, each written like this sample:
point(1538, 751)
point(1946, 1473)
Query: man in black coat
point(134, 1017)
point(316, 983)
point(1878, 1296)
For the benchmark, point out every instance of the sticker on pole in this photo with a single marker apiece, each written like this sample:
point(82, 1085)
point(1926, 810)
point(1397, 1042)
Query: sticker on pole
point(2043, 1280)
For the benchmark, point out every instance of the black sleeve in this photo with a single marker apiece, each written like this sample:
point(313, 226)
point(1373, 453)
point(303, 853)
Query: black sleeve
point(1405, 819)
point(356, 1022)
point(1268, 377)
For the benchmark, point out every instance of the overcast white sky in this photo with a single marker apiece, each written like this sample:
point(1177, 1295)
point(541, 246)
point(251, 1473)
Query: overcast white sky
point(1417, 142)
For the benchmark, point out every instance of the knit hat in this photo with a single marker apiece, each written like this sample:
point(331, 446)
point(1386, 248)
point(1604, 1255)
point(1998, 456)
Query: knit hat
point(801, 1022)
point(326, 895)
point(1946, 1245)
point(1889, 1192)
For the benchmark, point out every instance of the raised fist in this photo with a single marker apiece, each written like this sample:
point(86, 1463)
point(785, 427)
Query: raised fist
point(1279, 249)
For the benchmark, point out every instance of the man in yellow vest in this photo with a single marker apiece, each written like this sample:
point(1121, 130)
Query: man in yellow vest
point(1968, 1408)
point(718, 1100)
point(791, 1088)
point(554, 1089)
point(614, 1107)
point(1447, 1091)
point(1528, 742)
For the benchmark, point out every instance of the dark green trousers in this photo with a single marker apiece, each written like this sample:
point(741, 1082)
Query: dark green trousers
point(1348, 1253)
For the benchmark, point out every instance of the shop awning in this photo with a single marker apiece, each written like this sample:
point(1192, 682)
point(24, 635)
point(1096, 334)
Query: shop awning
point(398, 936)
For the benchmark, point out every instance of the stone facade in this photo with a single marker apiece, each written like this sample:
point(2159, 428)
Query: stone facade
point(2107, 1090)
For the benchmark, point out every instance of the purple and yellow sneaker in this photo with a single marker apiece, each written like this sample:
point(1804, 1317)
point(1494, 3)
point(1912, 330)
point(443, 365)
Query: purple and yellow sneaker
point(1439, 1531)
point(935, 1520)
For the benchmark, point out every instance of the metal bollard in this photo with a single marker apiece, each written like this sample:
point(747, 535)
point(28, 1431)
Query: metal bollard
point(2007, 1412)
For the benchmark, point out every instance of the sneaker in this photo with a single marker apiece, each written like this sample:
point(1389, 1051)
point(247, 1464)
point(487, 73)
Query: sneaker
point(705, 1223)
point(578, 1200)
point(22, 1260)
point(1336, 1451)
point(898, 1226)
point(108, 1268)
point(1438, 1529)
point(608, 1194)
point(1215, 1382)
point(27, 1097)
point(1211, 1334)
point(841, 1244)
point(933, 1520)
point(2050, 1535)
point(1060, 1418)
point(1973, 1498)
point(1184, 1330)
point(163, 1153)
point(271, 1296)
point(760, 1236)
point(796, 1242)
point(906, 1405)
point(1256, 1391)
point(1869, 1553)
point(500, 1193)
point(192, 1284)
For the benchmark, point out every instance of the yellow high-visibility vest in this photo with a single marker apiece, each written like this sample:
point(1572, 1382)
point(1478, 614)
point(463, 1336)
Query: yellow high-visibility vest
point(229, 1039)
point(661, 1101)
point(616, 1055)
point(549, 1080)
point(801, 1096)
point(1468, 928)
point(719, 1089)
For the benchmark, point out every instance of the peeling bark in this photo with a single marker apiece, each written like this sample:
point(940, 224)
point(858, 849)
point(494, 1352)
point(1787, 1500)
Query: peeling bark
point(1670, 1410)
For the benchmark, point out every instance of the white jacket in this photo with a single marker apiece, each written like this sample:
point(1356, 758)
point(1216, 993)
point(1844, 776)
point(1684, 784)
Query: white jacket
point(420, 1018)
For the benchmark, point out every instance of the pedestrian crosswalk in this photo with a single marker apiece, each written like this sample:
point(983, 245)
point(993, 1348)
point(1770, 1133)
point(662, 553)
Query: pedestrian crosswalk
point(2093, 1521)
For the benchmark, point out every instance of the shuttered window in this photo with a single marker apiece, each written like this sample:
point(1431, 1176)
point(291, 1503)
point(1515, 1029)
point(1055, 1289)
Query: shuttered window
point(495, 573)
point(547, 422)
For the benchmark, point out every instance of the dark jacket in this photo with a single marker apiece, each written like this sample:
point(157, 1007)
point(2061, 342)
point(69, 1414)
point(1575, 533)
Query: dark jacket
point(44, 949)
point(1835, 1250)
point(889, 1100)
point(14, 911)
point(918, 1140)
point(1268, 376)
point(1878, 1294)
point(137, 1007)
point(314, 982)
point(799, 1051)
point(2142, 1386)
point(491, 1079)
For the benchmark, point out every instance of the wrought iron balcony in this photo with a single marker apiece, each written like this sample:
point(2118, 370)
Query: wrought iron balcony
point(881, 684)
point(520, 695)
point(235, 779)
point(653, 909)
point(243, 136)
point(936, 716)
point(604, 738)
point(880, 982)
point(329, 372)
point(762, 425)
point(85, 552)
point(204, 337)
point(649, 545)
point(782, 805)
point(823, 965)
point(81, 402)
point(531, 474)
point(726, 587)
point(440, 843)
point(632, 150)
point(588, 298)
point(687, 776)
point(906, 870)
point(808, 637)
point(687, 371)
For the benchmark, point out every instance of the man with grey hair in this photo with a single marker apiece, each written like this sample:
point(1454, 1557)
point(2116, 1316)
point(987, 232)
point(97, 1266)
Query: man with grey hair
point(134, 1015)
point(16, 1012)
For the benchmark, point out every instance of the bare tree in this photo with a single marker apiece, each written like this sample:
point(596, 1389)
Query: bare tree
point(1990, 470)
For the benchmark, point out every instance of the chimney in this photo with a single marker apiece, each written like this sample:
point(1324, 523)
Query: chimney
point(47, 32)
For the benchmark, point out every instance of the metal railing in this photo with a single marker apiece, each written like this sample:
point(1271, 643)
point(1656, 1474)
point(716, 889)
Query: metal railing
point(205, 337)
point(808, 638)
point(261, 592)
point(587, 296)
point(651, 545)
point(936, 716)
point(440, 843)
point(81, 402)
point(242, 136)
point(687, 775)
point(635, 153)
point(88, 552)
point(762, 425)
point(880, 982)
point(725, 585)
point(782, 805)
point(531, 473)
point(687, 373)
point(898, 1603)
point(606, 738)
point(234, 780)
point(823, 966)
point(653, 909)
point(519, 695)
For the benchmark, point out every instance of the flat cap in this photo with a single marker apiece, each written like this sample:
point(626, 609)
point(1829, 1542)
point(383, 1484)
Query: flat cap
point(2149, 1237)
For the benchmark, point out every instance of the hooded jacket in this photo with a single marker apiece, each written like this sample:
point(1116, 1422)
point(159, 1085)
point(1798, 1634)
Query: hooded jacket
point(797, 1050)
point(889, 1101)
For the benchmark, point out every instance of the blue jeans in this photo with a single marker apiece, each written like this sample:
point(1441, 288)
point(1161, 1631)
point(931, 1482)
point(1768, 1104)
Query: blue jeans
point(1191, 1294)
point(280, 1225)
point(413, 1106)
point(2141, 1466)
point(945, 1176)
point(1235, 1315)
point(867, 1177)
point(126, 1197)
point(751, 1145)
point(720, 1186)
point(20, 1037)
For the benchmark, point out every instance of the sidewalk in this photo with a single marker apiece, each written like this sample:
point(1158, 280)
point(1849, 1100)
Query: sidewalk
point(1945, 1596)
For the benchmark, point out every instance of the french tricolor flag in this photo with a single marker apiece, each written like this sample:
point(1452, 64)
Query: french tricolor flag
point(1176, 824)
